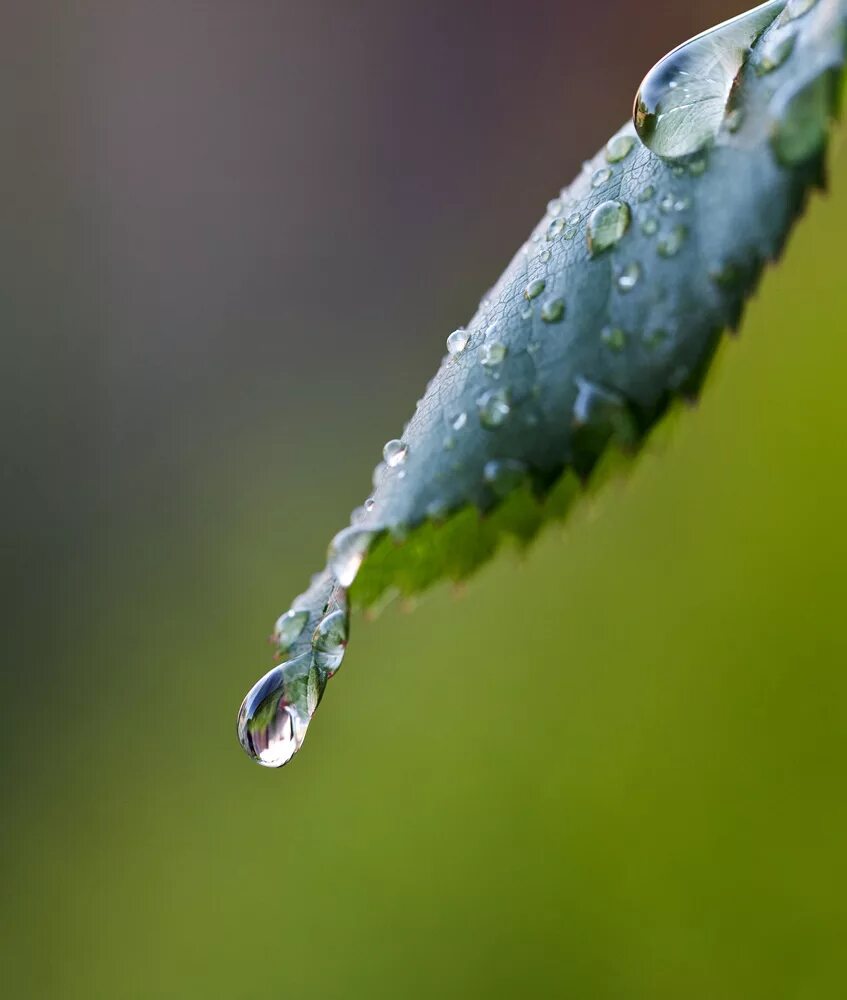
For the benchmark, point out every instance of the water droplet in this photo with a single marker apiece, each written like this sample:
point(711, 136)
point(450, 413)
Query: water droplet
point(494, 408)
point(670, 244)
point(601, 176)
point(614, 338)
point(347, 552)
point(654, 339)
point(288, 628)
point(492, 354)
point(369, 504)
point(646, 193)
point(459, 421)
point(458, 341)
point(774, 51)
point(697, 167)
point(534, 288)
point(681, 204)
point(734, 119)
point(574, 219)
point(395, 452)
point(725, 275)
point(553, 310)
point(449, 443)
point(666, 204)
point(598, 414)
point(504, 475)
point(649, 226)
point(490, 330)
point(554, 207)
point(607, 224)
point(555, 228)
point(619, 147)
point(544, 256)
point(682, 101)
point(275, 715)
point(329, 641)
point(629, 277)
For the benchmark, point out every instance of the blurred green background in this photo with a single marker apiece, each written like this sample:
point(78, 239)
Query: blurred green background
point(237, 237)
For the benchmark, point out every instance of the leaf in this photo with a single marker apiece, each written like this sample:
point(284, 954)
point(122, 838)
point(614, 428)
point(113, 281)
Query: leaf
point(609, 312)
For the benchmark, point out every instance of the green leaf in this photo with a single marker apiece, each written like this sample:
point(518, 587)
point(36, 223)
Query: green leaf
point(610, 312)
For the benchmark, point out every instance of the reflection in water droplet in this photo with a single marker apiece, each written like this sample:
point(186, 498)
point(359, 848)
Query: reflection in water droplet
point(394, 453)
point(614, 338)
point(629, 277)
point(607, 224)
point(553, 310)
point(494, 408)
point(330, 640)
point(534, 288)
point(619, 147)
point(492, 354)
point(682, 101)
point(288, 628)
point(458, 341)
point(671, 243)
point(275, 715)
point(504, 475)
point(601, 176)
point(346, 553)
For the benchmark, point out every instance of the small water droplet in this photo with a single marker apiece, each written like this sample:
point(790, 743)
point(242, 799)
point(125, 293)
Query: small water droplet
point(545, 256)
point(490, 330)
point(347, 552)
point(629, 277)
point(649, 225)
point(681, 204)
point(288, 628)
point(607, 224)
point(726, 275)
point(646, 193)
point(494, 408)
point(601, 177)
point(670, 244)
point(449, 443)
point(574, 219)
point(614, 338)
point(654, 339)
point(504, 475)
point(534, 288)
point(619, 147)
point(683, 100)
point(555, 228)
point(553, 310)
point(458, 341)
point(329, 641)
point(666, 204)
point(734, 120)
point(369, 504)
point(492, 354)
point(698, 166)
point(774, 51)
point(554, 207)
point(600, 413)
point(459, 421)
point(394, 452)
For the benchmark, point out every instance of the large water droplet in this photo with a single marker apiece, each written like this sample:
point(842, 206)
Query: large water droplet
point(288, 628)
point(395, 452)
point(683, 100)
point(494, 408)
point(457, 341)
point(347, 552)
point(607, 224)
point(275, 715)
point(534, 288)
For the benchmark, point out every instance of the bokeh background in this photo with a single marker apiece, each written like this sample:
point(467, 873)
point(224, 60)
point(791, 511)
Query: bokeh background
point(236, 235)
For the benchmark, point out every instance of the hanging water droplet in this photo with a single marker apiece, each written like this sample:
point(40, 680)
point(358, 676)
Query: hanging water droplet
point(275, 714)
point(682, 101)
point(492, 354)
point(629, 277)
point(671, 243)
point(329, 641)
point(504, 475)
point(601, 176)
point(459, 421)
point(494, 408)
point(607, 224)
point(553, 310)
point(458, 341)
point(288, 628)
point(649, 225)
point(619, 147)
point(614, 338)
point(347, 552)
point(395, 452)
point(534, 288)
point(774, 51)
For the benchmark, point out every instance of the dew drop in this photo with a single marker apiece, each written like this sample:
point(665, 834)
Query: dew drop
point(554, 207)
point(646, 193)
point(629, 277)
point(574, 219)
point(347, 552)
point(667, 203)
point(494, 408)
point(774, 51)
point(553, 310)
point(606, 225)
point(459, 421)
point(599, 414)
point(457, 341)
point(649, 226)
point(682, 101)
point(697, 167)
point(534, 288)
point(619, 147)
point(555, 228)
point(395, 452)
point(369, 504)
point(329, 641)
point(288, 628)
point(614, 338)
point(670, 244)
point(492, 354)
point(544, 256)
point(601, 176)
point(504, 475)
